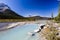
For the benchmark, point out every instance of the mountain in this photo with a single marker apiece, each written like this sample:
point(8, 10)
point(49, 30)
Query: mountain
point(39, 18)
point(7, 13)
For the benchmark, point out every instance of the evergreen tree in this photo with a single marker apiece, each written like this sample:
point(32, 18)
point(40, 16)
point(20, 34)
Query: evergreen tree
point(57, 18)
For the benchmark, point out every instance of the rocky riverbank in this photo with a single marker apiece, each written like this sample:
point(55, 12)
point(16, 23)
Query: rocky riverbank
point(50, 32)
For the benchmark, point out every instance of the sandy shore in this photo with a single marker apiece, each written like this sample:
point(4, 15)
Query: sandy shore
point(7, 25)
point(14, 24)
point(11, 25)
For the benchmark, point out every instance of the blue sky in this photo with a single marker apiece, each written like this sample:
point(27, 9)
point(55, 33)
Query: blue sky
point(33, 7)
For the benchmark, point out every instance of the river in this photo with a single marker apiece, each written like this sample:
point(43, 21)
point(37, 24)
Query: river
point(20, 32)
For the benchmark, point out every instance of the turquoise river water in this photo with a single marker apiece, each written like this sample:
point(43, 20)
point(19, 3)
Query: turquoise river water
point(19, 33)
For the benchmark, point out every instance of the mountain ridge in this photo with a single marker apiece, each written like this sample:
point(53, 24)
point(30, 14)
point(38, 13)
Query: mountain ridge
point(7, 13)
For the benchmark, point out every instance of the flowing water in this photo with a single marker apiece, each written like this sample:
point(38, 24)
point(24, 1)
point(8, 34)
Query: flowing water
point(19, 33)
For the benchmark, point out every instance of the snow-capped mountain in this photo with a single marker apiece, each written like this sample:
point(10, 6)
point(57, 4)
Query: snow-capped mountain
point(7, 13)
point(3, 7)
